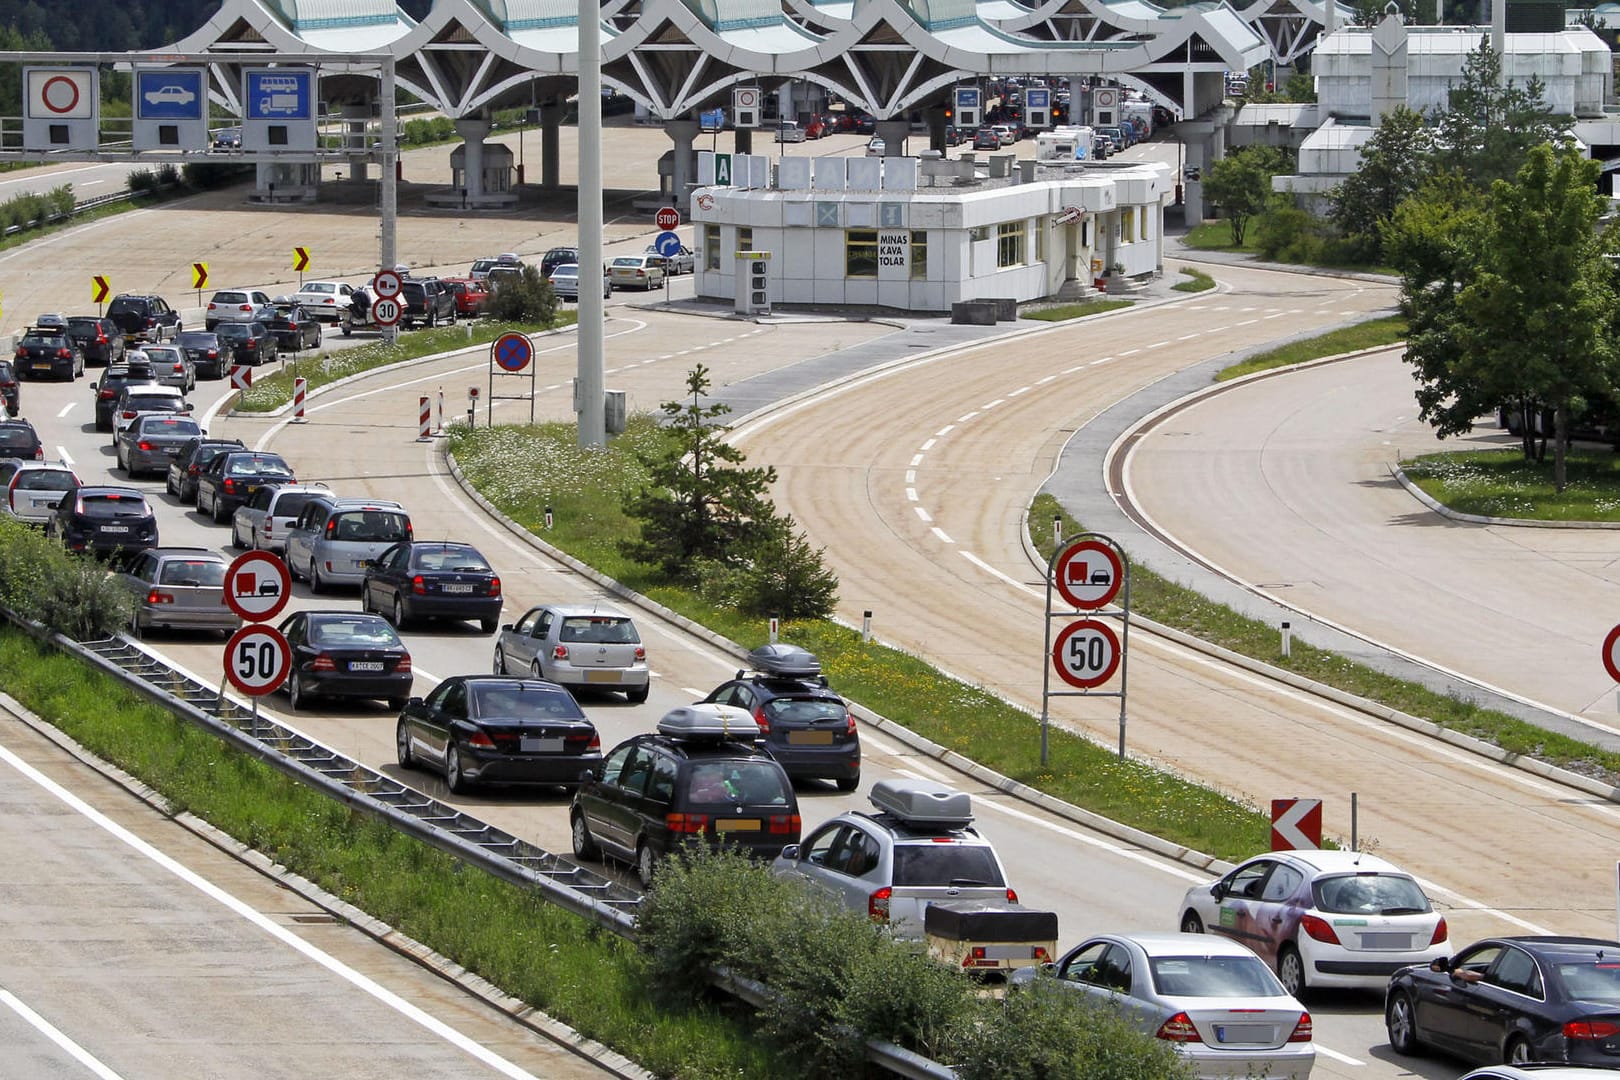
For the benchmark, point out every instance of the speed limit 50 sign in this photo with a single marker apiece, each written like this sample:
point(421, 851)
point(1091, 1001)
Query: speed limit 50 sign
point(1086, 654)
point(257, 659)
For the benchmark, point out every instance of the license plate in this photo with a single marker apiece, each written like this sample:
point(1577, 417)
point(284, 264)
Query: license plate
point(736, 824)
point(115, 528)
point(601, 676)
point(173, 451)
point(365, 665)
point(1386, 941)
point(810, 738)
point(530, 744)
point(457, 588)
point(1243, 1033)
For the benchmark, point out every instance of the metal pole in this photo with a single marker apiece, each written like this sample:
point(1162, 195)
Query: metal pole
point(1124, 645)
point(389, 186)
point(592, 409)
point(1354, 846)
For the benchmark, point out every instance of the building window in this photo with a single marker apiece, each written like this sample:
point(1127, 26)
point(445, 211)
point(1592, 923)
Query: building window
point(745, 239)
point(1010, 244)
point(979, 232)
point(1040, 240)
point(860, 253)
point(1142, 227)
point(711, 247)
point(1127, 218)
point(919, 254)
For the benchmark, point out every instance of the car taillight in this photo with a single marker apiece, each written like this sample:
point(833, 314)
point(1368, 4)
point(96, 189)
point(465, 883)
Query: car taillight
point(101, 338)
point(1302, 1030)
point(64, 354)
point(244, 307)
point(686, 823)
point(479, 739)
point(230, 486)
point(849, 723)
point(269, 527)
point(877, 905)
point(143, 445)
point(1179, 1028)
point(155, 597)
point(39, 453)
point(410, 533)
point(1012, 896)
point(22, 354)
point(784, 824)
point(1586, 1030)
point(192, 469)
point(762, 720)
point(418, 586)
point(106, 395)
point(331, 528)
point(404, 663)
point(495, 586)
point(595, 743)
point(559, 652)
point(323, 662)
point(1440, 932)
point(1318, 928)
point(151, 321)
point(249, 343)
point(128, 415)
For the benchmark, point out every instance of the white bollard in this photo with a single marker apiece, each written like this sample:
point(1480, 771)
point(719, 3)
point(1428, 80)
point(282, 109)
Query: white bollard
point(1287, 641)
point(425, 421)
point(866, 628)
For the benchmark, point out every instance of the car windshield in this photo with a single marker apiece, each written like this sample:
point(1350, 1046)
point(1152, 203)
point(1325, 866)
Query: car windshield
point(205, 454)
point(448, 559)
point(598, 630)
point(366, 633)
point(230, 298)
point(292, 503)
point(803, 710)
point(1591, 980)
point(199, 572)
point(84, 326)
point(235, 330)
point(17, 437)
point(1212, 976)
point(113, 505)
point(1370, 894)
point(163, 354)
point(151, 403)
point(369, 526)
point(320, 287)
point(730, 783)
point(195, 339)
point(171, 427)
point(518, 701)
point(257, 466)
point(43, 340)
point(46, 480)
point(946, 864)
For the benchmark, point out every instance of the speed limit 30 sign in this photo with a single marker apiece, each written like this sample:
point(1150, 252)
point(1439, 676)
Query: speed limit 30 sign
point(257, 659)
point(1086, 654)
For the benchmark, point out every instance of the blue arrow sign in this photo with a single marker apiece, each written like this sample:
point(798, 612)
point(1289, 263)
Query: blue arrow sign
point(667, 244)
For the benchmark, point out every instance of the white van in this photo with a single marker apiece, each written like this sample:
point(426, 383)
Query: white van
point(789, 131)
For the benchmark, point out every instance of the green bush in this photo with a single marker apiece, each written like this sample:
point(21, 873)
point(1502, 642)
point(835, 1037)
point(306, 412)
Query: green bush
point(524, 298)
point(780, 573)
point(62, 201)
point(142, 181)
point(72, 595)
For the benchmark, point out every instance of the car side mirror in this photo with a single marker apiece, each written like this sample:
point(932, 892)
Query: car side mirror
point(1218, 890)
point(791, 853)
point(1441, 964)
point(54, 505)
point(413, 701)
point(506, 627)
point(187, 407)
point(92, 384)
point(588, 776)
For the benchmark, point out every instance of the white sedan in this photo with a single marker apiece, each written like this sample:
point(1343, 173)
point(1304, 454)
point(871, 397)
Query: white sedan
point(565, 282)
point(324, 300)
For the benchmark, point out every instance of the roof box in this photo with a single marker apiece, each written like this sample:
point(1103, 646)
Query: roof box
point(923, 803)
point(785, 661)
point(973, 921)
point(709, 721)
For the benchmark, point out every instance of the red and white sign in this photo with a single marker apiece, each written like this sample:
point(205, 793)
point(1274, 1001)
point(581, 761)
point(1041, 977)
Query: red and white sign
point(745, 98)
point(60, 94)
point(668, 218)
point(257, 659)
point(241, 377)
point(257, 585)
point(1067, 215)
point(386, 284)
point(1296, 824)
point(1611, 654)
point(1086, 654)
point(1105, 99)
point(385, 311)
point(1088, 574)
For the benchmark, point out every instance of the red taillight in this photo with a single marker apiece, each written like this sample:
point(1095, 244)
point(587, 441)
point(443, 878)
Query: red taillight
point(22, 354)
point(155, 597)
point(323, 662)
point(784, 824)
point(143, 445)
point(1302, 1030)
point(64, 354)
point(849, 723)
point(39, 453)
point(1179, 1028)
point(106, 395)
point(877, 905)
point(1587, 1030)
point(559, 652)
point(481, 740)
point(151, 321)
point(101, 338)
point(1012, 896)
point(641, 652)
point(404, 663)
point(245, 307)
point(192, 469)
point(249, 343)
point(494, 586)
point(686, 823)
point(761, 719)
point(595, 743)
point(410, 533)
point(331, 528)
point(1318, 928)
point(128, 415)
point(418, 586)
point(230, 486)
point(1440, 932)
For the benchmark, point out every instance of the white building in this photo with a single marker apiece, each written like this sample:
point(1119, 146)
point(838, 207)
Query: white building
point(921, 234)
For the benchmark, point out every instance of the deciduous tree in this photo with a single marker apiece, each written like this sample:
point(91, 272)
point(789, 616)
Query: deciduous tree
point(1240, 184)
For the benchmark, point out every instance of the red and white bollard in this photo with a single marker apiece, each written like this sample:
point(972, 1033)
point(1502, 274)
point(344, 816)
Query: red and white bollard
point(300, 388)
point(425, 425)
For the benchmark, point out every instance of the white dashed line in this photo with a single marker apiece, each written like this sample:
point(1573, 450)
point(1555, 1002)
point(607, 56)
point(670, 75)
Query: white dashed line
point(1130, 352)
point(66, 409)
point(922, 513)
point(916, 459)
point(1071, 370)
point(64, 457)
point(1021, 390)
point(965, 419)
point(944, 431)
point(944, 539)
point(1104, 360)
point(990, 405)
point(911, 476)
point(1189, 337)
point(1279, 315)
point(1043, 382)
point(1159, 344)
point(911, 494)
point(1247, 322)
point(927, 446)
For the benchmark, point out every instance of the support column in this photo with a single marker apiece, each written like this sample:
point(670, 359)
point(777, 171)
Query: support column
point(742, 140)
point(355, 120)
point(894, 134)
point(551, 118)
point(683, 175)
point(473, 131)
point(936, 128)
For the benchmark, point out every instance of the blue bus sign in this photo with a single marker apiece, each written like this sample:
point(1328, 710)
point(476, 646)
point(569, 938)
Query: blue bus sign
point(278, 94)
point(169, 94)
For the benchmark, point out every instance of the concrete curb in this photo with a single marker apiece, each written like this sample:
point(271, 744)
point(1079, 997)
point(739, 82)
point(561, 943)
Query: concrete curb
point(1476, 519)
point(482, 989)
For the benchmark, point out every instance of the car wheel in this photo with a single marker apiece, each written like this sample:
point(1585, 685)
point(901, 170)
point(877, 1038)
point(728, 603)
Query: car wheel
point(348, 328)
point(1401, 1023)
point(638, 694)
point(489, 626)
point(168, 486)
point(399, 613)
point(584, 844)
point(536, 670)
point(402, 746)
point(236, 537)
point(1191, 923)
point(118, 455)
point(218, 511)
point(297, 696)
point(646, 864)
point(315, 583)
point(395, 703)
point(849, 783)
point(432, 319)
point(1517, 1051)
point(1291, 971)
point(498, 665)
point(365, 599)
point(454, 779)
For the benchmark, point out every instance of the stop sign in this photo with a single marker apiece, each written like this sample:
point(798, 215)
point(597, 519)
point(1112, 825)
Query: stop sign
point(668, 218)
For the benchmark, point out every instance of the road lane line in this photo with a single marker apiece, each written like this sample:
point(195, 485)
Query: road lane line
point(53, 1033)
point(66, 409)
point(922, 514)
point(943, 535)
point(248, 913)
point(64, 457)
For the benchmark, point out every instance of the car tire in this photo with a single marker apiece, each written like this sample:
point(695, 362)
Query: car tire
point(216, 511)
point(1516, 1051)
point(365, 599)
point(1400, 1021)
point(402, 746)
point(646, 864)
point(585, 846)
point(498, 664)
point(316, 585)
point(399, 618)
point(536, 669)
point(432, 319)
point(236, 537)
point(489, 626)
point(848, 783)
point(168, 486)
point(297, 696)
point(638, 695)
point(395, 703)
point(454, 778)
point(1291, 972)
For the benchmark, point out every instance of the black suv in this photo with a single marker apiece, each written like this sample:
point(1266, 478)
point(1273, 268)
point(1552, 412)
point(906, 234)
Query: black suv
point(118, 376)
point(18, 439)
point(249, 343)
point(100, 339)
point(557, 256)
point(426, 300)
point(699, 779)
point(189, 463)
point(208, 356)
point(48, 350)
point(808, 729)
point(144, 318)
point(104, 520)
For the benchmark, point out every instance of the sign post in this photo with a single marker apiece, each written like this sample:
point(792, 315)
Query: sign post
point(257, 657)
point(387, 285)
point(1086, 575)
point(513, 354)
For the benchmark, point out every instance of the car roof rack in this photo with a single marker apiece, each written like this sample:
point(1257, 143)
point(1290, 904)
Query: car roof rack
point(709, 721)
point(780, 660)
point(923, 804)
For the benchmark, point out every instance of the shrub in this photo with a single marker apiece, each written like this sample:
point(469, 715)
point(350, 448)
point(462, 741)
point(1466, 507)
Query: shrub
point(61, 201)
point(524, 298)
point(72, 595)
point(780, 573)
point(143, 181)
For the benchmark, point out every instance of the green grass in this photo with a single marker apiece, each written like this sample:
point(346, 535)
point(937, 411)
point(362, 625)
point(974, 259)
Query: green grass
point(272, 391)
point(1175, 605)
point(524, 470)
point(1501, 483)
point(1217, 236)
point(531, 949)
point(1365, 335)
point(96, 213)
point(1197, 281)
point(1061, 312)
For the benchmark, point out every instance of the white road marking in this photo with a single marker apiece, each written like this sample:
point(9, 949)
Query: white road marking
point(90, 183)
point(965, 419)
point(1072, 370)
point(990, 405)
point(1045, 380)
point(943, 536)
point(64, 457)
point(1159, 344)
point(1246, 322)
point(911, 476)
point(66, 409)
point(946, 430)
point(928, 445)
point(911, 494)
point(1020, 391)
point(1130, 352)
point(53, 1033)
point(916, 459)
point(382, 994)
point(1104, 360)
point(922, 513)
point(1189, 337)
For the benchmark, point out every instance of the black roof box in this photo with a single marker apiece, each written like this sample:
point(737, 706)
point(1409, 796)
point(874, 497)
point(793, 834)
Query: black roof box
point(969, 921)
point(923, 803)
point(785, 661)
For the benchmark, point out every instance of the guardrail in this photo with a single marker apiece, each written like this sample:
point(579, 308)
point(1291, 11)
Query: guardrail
point(602, 900)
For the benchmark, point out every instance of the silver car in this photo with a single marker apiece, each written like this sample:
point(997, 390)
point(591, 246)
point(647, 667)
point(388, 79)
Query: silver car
point(234, 305)
point(179, 588)
point(265, 519)
point(565, 282)
point(173, 366)
point(154, 439)
point(334, 540)
point(581, 646)
point(136, 400)
point(34, 489)
point(683, 261)
point(1214, 1000)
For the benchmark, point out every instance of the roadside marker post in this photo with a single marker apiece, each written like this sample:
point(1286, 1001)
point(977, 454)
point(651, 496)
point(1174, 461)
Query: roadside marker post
point(425, 420)
point(300, 388)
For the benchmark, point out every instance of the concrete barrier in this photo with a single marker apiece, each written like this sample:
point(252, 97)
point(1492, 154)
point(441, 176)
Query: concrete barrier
point(973, 313)
point(1006, 307)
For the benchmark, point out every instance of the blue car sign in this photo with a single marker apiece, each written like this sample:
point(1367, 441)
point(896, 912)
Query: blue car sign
point(169, 94)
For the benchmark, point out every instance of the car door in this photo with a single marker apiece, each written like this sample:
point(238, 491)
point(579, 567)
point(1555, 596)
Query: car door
point(603, 803)
point(301, 537)
point(1239, 904)
point(1443, 1003)
point(1512, 987)
point(447, 706)
point(514, 643)
point(816, 855)
point(385, 576)
point(1278, 913)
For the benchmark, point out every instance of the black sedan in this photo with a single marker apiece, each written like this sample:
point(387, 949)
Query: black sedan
point(1512, 999)
point(249, 343)
point(189, 463)
point(495, 729)
point(48, 350)
point(100, 339)
point(420, 579)
point(345, 654)
point(232, 478)
point(291, 325)
point(208, 356)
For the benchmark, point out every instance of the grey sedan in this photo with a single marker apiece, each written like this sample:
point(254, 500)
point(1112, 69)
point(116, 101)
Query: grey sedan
point(152, 440)
point(581, 646)
point(683, 261)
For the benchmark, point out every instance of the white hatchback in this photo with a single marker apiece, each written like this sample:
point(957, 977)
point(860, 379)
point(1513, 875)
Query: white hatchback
point(324, 300)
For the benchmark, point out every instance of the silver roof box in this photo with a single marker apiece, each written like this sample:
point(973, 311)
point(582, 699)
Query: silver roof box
point(785, 661)
point(707, 720)
point(923, 803)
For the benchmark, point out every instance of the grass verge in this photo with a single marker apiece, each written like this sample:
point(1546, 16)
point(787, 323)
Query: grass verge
point(525, 469)
point(1062, 312)
point(532, 950)
point(1501, 483)
point(1366, 335)
point(1197, 281)
point(1175, 605)
point(1217, 236)
point(275, 390)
